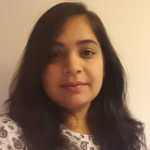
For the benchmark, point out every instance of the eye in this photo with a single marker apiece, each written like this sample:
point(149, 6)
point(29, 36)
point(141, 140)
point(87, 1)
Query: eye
point(55, 55)
point(88, 52)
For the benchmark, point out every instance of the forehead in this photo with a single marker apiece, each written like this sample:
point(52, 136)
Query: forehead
point(75, 29)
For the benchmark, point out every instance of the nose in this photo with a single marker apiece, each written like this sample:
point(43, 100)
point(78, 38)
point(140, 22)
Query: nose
point(72, 65)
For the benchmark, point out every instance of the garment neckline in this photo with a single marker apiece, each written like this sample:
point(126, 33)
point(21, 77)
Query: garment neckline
point(65, 129)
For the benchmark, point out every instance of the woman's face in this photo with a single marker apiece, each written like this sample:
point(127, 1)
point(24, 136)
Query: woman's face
point(76, 57)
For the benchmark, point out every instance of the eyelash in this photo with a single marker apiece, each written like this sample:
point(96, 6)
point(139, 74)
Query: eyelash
point(89, 51)
point(83, 51)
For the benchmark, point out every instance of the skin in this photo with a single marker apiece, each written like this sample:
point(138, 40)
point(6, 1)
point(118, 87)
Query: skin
point(75, 60)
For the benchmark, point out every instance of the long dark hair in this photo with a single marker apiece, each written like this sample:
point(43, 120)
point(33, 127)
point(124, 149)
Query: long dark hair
point(108, 117)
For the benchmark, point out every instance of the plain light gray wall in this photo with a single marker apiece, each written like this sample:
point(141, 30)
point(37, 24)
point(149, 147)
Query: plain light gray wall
point(128, 25)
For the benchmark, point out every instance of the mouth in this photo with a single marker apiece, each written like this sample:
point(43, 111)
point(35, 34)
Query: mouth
point(74, 86)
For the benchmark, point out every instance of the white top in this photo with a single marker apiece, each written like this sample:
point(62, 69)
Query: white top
point(79, 141)
point(11, 137)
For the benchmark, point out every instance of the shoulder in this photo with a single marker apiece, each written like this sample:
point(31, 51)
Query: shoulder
point(10, 134)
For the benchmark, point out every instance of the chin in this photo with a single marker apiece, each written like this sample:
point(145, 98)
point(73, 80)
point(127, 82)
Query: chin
point(78, 106)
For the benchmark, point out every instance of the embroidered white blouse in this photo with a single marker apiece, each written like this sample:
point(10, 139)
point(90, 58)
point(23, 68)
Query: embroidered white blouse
point(11, 137)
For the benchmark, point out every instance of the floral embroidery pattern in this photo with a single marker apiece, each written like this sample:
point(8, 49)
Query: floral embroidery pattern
point(11, 138)
point(3, 133)
point(10, 135)
point(77, 141)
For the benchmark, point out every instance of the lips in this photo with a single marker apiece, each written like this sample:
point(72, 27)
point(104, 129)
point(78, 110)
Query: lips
point(73, 84)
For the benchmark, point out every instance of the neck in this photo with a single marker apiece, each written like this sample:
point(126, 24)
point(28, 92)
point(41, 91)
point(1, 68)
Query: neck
point(76, 120)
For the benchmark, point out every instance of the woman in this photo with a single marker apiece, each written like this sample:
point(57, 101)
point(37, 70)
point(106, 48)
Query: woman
point(69, 91)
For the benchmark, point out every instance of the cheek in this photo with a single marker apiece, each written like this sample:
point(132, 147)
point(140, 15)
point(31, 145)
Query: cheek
point(96, 74)
point(96, 70)
point(50, 79)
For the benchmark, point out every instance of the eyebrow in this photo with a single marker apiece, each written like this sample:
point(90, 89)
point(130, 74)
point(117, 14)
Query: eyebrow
point(56, 43)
